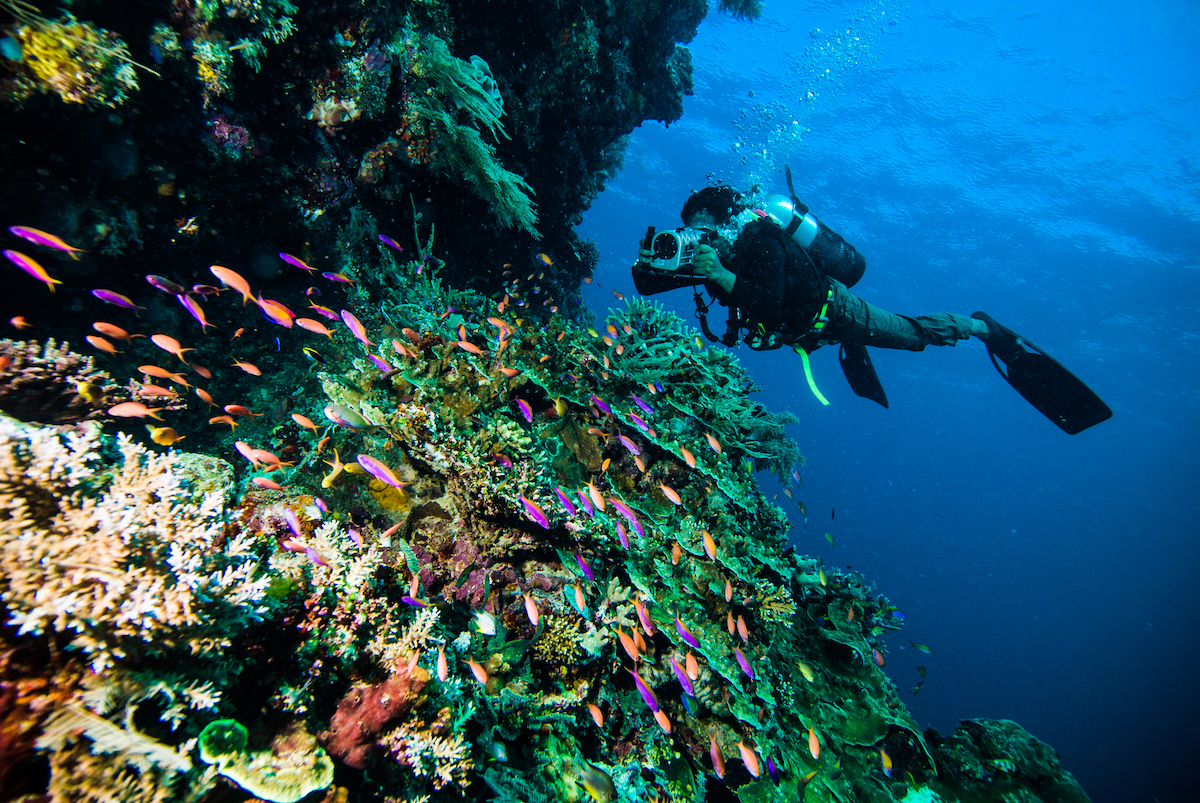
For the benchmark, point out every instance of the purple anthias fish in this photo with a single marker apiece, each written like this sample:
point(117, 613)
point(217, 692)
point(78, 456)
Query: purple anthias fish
point(586, 502)
point(566, 502)
point(314, 557)
point(526, 410)
point(356, 328)
point(502, 459)
point(629, 444)
point(772, 771)
point(644, 690)
point(389, 241)
point(380, 363)
point(337, 277)
point(416, 603)
point(195, 310)
point(165, 284)
point(355, 536)
point(621, 535)
point(640, 422)
point(293, 522)
point(321, 505)
point(296, 262)
point(743, 662)
point(686, 634)
point(535, 512)
point(682, 677)
point(116, 299)
point(39, 237)
point(587, 570)
point(645, 407)
point(628, 513)
point(600, 405)
point(379, 471)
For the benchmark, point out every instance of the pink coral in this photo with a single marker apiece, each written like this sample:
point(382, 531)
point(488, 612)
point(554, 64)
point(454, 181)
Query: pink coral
point(365, 710)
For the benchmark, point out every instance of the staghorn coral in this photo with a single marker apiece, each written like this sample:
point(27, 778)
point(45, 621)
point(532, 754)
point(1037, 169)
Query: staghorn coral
point(47, 383)
point(127, 560)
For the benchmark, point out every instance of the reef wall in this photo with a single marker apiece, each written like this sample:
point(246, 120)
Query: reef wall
point(440, 534)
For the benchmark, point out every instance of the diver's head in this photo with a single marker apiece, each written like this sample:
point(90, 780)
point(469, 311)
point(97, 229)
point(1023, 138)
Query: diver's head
point(712, 207)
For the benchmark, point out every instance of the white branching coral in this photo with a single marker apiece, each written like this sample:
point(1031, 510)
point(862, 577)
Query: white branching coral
point(444, 759)
point(128, 558)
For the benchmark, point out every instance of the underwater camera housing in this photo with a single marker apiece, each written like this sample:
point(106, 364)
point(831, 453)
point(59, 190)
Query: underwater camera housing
point(672, 255)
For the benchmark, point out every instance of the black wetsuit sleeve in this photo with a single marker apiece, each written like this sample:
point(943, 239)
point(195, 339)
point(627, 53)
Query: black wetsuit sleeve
point(760, 264)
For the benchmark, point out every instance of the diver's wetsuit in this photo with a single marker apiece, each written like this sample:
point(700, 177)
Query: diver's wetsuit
point(778, 287)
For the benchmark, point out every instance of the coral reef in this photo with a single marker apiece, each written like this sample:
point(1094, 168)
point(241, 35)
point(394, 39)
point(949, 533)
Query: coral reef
point(50, 384)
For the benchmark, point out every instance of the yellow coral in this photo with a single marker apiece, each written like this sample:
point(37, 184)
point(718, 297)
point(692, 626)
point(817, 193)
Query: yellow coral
point(77, 61)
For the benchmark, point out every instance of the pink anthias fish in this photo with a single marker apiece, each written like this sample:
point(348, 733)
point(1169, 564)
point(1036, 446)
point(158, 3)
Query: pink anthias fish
point(39, 237)
point(165, 284)
point(526, 410)
point(644, 690)
point(686, 634)
point(296, 262)
point(583, 566)
point(193, 306)
point(629, 444)
point(743, 662)
point(324, 312)
point(32, 268)
point(682, 677)
point(535, 512)
point(379, 471)
point(566, 502)
point(356, 328)
point(645, 407)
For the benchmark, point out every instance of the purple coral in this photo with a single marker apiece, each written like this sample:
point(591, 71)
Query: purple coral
point(230, 138)
point(374, 59)
point(365, 710)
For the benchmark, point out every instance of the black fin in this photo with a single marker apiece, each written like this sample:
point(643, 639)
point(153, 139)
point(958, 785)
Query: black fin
point(860, 373)
point(1053, 390)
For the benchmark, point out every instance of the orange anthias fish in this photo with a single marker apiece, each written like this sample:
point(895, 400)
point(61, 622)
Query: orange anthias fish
point(718, 759)
point(234, 281)
point(170, 345)
point(134, 410)
point(749, 758)
point(814, 746)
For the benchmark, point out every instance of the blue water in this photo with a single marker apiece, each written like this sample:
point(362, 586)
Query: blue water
point(1040, 162)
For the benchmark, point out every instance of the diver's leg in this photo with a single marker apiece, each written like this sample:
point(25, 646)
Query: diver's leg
point(852, 320)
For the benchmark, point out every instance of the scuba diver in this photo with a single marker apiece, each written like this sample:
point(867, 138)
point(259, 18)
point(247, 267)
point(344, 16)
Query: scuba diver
point(786, 277)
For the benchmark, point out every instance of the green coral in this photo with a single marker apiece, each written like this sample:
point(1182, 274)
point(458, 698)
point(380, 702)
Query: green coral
point(294, 766)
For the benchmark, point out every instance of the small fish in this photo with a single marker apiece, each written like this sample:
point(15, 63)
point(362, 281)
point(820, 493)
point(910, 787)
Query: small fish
point(629, 645)
point(713, 442)
point(165, 284)
point(116, 299)
point(170, 345)
point(718, 759)
point(531, 609)
point(728, 591)
point(486, 622)
point(920, 648)
point(469, 347)
point(597, 714)
point(316, 327)
point(356, 328)
point(206, 290)
point(478, 671)
point(688, 457)
point(742, 628)
point(885, 762)
point(101, 343)
point(238, 409)
point(686, 634)
point(676, 554)
point(379, 471)
point(647, 693)
point(526, 410)
point(90, 391)
point(545, 260)
point(583, 566)
point(772, 771)
point(629, 444)
point(304, 421)
point(276, 312)
point(324, 312)
point(670, 493)
point(535, 512)
point(806, 671)
point(597, 783)
point(268, 484)
point(39, 237)
point(313, 355)
point(345, 417)
point(163, 436)
point(249, 368)
point(18, 322)
point(195, 310)
point(566, 501)
point(389, 241)
point(234, 281)
point(644, 618)
point(596, 496)
point(878, 656)
point(921, 671)
point(134, 410)
point(681, 676)
point(621, 536)
point(580, 602)
point(710, 546)
point(749, 758)
point(744, 662)
point(692, 666)
point(224, 419)
point(340, 278)
point(663, 720)
point(296, 262)
point(443, 668)
point(814, 744)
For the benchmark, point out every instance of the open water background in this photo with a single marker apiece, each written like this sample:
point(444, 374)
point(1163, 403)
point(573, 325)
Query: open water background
point(1038, 161)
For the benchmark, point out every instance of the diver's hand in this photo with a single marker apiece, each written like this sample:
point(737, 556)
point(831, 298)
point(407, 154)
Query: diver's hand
point(644, 256)
point(708, 265)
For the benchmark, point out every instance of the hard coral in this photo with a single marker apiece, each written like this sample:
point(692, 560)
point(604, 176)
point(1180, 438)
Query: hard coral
point(365, 710)
point(50, 384)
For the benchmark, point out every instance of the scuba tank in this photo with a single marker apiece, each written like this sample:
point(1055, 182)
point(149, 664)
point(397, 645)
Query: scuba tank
point(832, 255)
